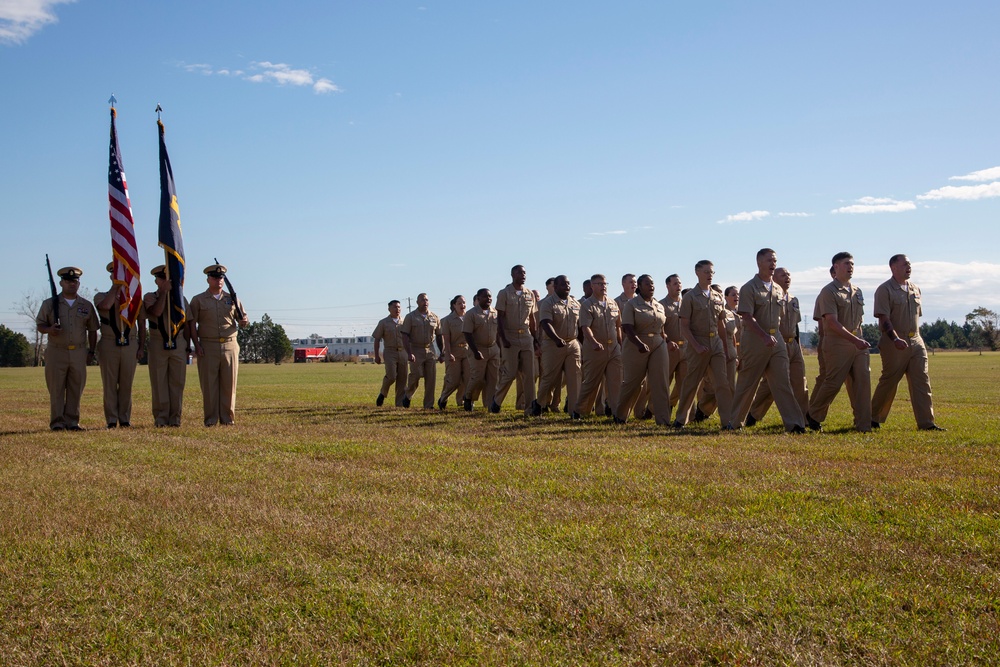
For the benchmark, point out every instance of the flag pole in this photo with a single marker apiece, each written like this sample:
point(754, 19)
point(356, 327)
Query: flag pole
point(168, 334)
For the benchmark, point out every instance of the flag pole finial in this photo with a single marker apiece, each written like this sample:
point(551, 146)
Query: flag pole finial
point(113, 100)
point(159, 110)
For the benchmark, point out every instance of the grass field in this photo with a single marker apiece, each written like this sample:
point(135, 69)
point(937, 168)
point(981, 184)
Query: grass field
point(321, 530)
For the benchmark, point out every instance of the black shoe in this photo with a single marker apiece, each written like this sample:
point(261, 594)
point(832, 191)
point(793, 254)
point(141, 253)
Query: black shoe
point(112, 425)
point(751, 420)
point(876, 425)
point(796, 430)
point(933, 427)
point(575, 416)
point(379, 400)
point(566, 406)
point(442, 404)
point(617, 420)
point(494, 408)
point(677, 425)
point(467, 404)
point(75, 427)
point(699, 416)
point(608, 412)
point(406, 402)
point(813, 424)
point(125, 425)
point(57, 427)
point(729, 427)
point(648, 414)
point(536, 409)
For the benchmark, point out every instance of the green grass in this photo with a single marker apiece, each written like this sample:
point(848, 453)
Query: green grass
point(321, 530)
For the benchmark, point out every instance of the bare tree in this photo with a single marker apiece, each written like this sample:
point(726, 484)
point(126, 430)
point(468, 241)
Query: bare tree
point(28, 307)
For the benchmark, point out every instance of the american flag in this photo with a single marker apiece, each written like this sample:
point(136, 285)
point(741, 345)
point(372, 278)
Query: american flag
point(125, 269)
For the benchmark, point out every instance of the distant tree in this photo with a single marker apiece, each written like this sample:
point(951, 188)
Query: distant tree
point(871, 333)
point(985, 327)
point(264, 341)
point(15, 350)
point(28, 308)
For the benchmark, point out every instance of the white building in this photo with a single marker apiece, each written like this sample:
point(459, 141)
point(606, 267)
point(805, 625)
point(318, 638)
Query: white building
point(339, 346)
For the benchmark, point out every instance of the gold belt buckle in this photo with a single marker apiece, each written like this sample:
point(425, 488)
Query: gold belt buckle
point(520, 331)
point(711, 334)
point(222, 340)
point(650, 335)
point(790, 339)
point(912, 334)
point(610, 341)
point(680, 343)
point(771, 331)
point(71, 347)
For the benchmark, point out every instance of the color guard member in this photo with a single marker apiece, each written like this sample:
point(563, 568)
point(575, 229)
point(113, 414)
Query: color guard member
point(70, 348)
point(213, 329)
point(118, 352)
point(168, 356)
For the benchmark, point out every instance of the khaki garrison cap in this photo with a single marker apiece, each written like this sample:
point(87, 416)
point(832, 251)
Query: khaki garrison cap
point(159, 270)
point(215, 270)
point(70, 273)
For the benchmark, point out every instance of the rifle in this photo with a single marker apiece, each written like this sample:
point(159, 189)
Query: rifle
point(55, 294)
point(232, 293)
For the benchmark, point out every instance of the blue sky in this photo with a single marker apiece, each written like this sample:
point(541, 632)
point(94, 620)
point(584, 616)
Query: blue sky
point(336, 155)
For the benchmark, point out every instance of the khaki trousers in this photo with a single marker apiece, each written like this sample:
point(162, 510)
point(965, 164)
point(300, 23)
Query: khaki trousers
point(771, 363)
point(650, 367)
point(395, 374)
point(456, 377)
point(796, 378)
point(842, 362)
point(425, 367)
point(676, 370)
point(601, 369)
point(484, 375)
point(65, 377)
point(518, 358)
point(911, 362)
point(117, 373)
point(167, 377)
point(560, 363)
point(217, 372)
point(698, 365)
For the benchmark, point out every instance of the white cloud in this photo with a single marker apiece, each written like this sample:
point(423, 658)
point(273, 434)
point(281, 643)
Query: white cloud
point(268, 72)
point(949, 290)
point(617, 232)
point(991, 174)
point(795, 215)
point(20, 19)
point(877, 205)
point(744, 216)
point(963, 192)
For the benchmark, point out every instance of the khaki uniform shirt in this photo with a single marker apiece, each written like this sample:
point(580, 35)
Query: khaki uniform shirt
point(621, 300)
point(703, 312)
point(482, 324)
point(672, 309)
point(216, 318)
point(791, 315)
point(564, 315)
point(76, 321)
point(845, 301)
point(647, 319)
point(107, 333)
point(421, 329)
point(602, 318)
point(451, 326)
point(153, 327)
point(518, 308)
point(763, 303)
point(901, 305)
point(387, 330)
